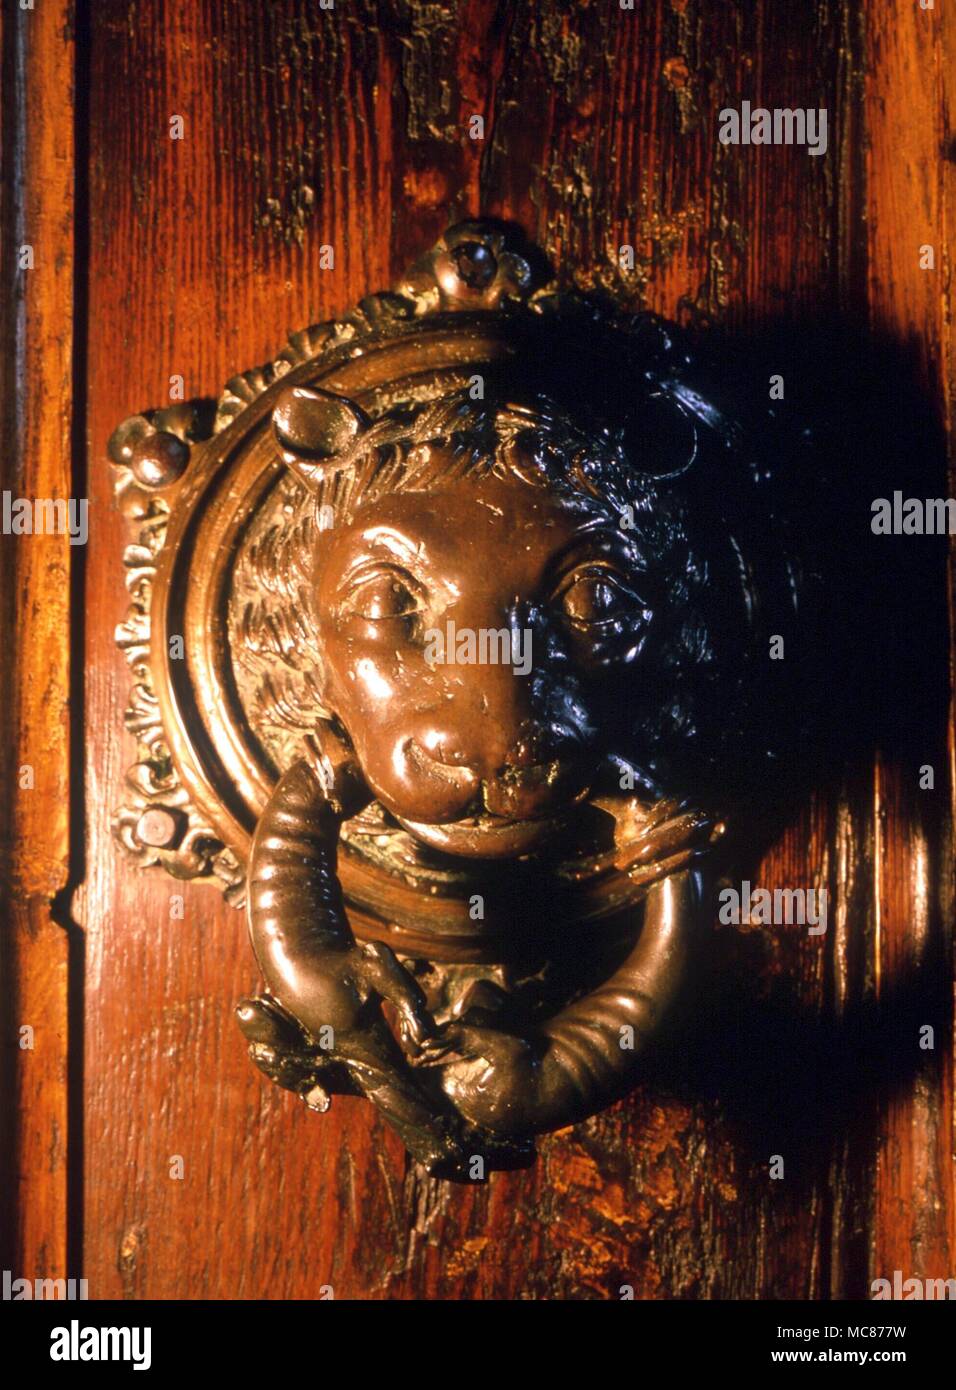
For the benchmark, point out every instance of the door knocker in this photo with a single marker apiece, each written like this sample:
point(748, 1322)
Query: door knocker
point(448, 633)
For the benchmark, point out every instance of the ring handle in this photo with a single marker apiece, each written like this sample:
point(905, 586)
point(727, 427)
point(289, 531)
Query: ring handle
point(327, 989)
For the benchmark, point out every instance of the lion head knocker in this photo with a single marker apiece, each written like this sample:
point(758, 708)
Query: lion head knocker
point(473, 590)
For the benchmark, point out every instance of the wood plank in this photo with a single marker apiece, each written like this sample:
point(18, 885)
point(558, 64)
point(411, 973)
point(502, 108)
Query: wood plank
point(35, 571)
point(910, 205)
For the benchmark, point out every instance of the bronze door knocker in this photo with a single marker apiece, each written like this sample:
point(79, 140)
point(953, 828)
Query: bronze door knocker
point(443, 629)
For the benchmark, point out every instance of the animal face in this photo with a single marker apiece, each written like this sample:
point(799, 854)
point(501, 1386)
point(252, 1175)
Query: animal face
point(474, 638)
point(510, 614)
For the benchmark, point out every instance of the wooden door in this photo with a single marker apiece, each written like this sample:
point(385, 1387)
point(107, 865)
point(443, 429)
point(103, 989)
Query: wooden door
point(157, 257)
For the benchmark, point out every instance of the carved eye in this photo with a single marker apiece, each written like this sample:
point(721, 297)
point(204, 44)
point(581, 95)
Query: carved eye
point(596, 595)
point(381, 594)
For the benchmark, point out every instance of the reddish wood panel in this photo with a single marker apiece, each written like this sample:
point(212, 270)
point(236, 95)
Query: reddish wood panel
point(36, 304)
point(350, 127)
point(911, 198)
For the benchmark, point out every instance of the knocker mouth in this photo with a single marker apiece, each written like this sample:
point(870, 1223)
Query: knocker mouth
point(487, 836)
point(461, 810)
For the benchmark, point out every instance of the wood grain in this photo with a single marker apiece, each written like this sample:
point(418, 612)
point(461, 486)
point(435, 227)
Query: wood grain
point(350, 128)
point(911, 204)
point(35, 571)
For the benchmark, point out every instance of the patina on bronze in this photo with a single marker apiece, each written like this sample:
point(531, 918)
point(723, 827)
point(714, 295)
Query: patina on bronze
point(507, 858)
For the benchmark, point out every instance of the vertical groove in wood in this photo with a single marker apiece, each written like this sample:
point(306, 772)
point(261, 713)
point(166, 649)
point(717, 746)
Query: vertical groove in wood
point(947, 889)
point(37, 308)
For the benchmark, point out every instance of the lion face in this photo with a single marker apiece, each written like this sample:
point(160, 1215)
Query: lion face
point(512, 619)
point(475, 639)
